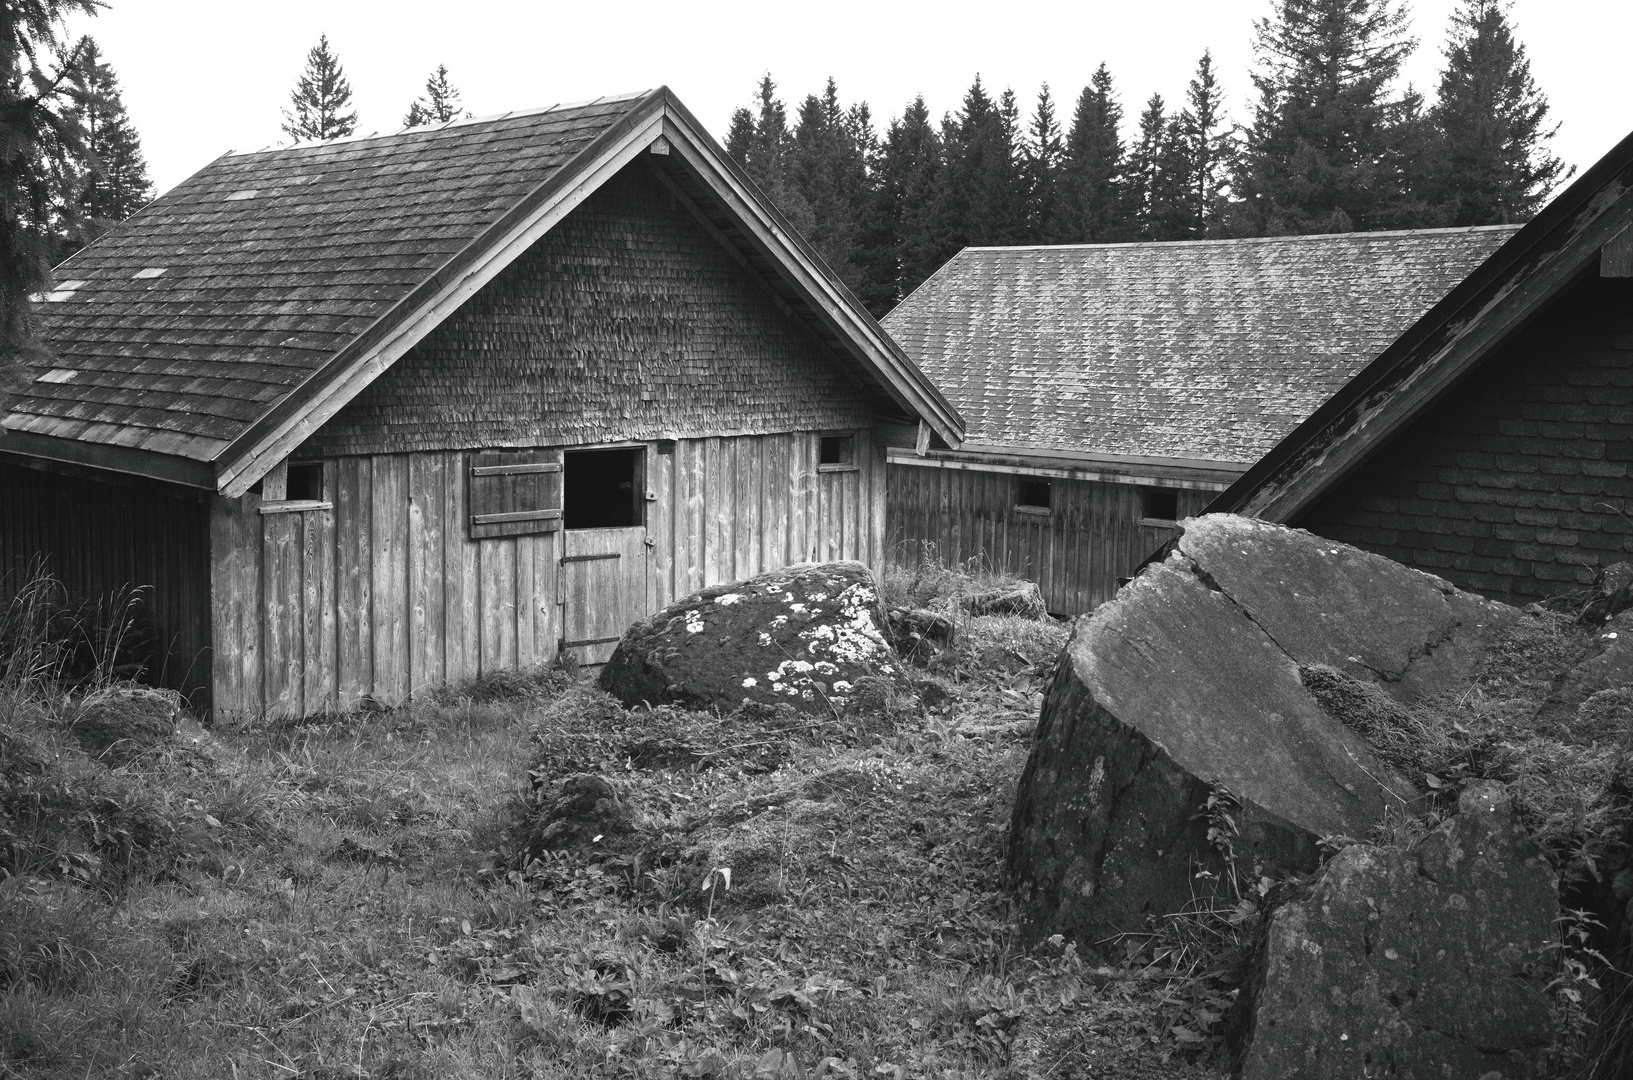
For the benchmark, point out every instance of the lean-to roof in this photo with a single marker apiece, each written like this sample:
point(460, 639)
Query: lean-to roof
point(1203, 350)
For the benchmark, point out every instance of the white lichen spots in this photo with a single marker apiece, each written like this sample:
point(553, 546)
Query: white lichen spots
point(780, 620)
point(841, 686)
point(694, 622)
point(796, 607)
point(816, 597)
point(750, 682)
point(826, 667)
point(765, 639)
point(773, 675)
point(728, 599)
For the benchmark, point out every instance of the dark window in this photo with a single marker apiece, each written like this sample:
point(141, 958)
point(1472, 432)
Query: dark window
point(837, 450)
point(306, 481)
point(1159, 504)
point(1034, 494)
point(602, 489)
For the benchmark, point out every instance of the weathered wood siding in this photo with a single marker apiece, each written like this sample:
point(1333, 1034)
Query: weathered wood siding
point(384, 596)
point(628, 321)
point(1076, 552)
point(101, 539)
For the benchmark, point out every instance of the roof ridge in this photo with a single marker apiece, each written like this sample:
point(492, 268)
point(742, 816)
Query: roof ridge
point(1240, 240)
point(605, 99)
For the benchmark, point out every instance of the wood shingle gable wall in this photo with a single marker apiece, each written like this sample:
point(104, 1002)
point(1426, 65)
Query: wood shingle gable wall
point(628, 321)
point(228, 321)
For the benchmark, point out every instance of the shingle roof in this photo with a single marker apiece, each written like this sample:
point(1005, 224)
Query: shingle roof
point(209, 306)
point(1206, 350)
point(209, 334)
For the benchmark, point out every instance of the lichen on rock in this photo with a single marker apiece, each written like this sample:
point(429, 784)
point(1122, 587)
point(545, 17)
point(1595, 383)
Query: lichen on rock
point(803, 635)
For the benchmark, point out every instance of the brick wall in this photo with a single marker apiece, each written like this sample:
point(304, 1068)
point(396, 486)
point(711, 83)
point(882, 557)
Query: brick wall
point(627, 321)
point(1501, 488)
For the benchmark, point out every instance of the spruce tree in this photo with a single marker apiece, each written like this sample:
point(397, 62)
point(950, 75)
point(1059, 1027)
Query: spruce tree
point(109, 181)
point(1091, 203)
point(768, 152)
point(1040, 162)
point(321, 101)
point(1170, 210)
point(1140, 177)
point(438, 105)
point(1320, 155)
point(828, 170)
point(39, 136)
point(908, 185)
point(1490, 124)
point(1208, 146)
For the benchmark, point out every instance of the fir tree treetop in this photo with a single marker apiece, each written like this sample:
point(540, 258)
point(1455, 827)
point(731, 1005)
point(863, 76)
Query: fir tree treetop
point(320, 105)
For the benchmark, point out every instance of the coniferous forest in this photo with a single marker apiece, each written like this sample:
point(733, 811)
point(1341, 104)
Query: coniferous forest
point(1333, 143)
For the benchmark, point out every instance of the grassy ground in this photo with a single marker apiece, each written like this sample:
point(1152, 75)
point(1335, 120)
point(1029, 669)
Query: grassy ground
point(355, 898)
point(525, 879)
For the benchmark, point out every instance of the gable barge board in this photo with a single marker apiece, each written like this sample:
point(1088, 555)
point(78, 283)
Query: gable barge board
point(287, 426)
point(840, 311)
point(1503, 296)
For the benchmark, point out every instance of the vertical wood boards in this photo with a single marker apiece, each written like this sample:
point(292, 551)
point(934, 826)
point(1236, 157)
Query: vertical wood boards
point(235, 594)
point(385, 596)
point(604, 588)
point(110, 540)
point(1091, 537)
point(354, 579)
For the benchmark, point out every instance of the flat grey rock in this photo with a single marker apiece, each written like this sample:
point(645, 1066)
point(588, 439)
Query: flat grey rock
point(1428, 962)
point(1188, 682)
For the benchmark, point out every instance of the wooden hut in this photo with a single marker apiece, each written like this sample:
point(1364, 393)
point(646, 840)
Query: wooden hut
point(1112, 389)
point(379, 414)
point(1492, 442)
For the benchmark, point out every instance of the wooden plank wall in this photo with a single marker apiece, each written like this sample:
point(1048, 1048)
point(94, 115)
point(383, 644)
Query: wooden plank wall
point(384, 597)
point(1091, 537)
point(101, 538)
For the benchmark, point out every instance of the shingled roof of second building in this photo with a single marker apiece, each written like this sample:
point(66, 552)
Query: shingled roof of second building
point(1205, 350)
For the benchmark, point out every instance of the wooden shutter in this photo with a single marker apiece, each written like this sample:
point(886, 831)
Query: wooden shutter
point(513, 492)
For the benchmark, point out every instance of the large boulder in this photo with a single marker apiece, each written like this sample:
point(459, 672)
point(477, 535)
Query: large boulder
point(803, 635)
point(1425, 961)
point(1178, 734)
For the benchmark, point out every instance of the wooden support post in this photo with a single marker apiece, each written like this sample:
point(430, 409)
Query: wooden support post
point(1616, 257)
point(275, 484)
point(922, 446)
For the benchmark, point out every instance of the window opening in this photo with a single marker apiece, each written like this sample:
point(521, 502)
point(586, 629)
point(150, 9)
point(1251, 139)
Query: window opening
point(305, 482)
point(602, 488)
point(837, 450)
point(1159, 504)
point(1034, 494)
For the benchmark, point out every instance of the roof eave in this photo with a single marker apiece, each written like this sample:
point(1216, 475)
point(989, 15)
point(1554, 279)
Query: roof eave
point(1478, 316)
point(108, 457)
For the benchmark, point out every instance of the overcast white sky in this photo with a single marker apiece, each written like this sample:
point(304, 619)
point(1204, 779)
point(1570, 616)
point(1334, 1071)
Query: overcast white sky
point(202, 77)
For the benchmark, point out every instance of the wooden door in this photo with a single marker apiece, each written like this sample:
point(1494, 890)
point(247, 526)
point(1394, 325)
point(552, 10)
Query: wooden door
point(603, 579)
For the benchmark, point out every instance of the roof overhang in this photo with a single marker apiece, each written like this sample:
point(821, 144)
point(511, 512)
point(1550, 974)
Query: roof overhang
point(1503, 296)
point(1189, 473)
point(657, 120)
